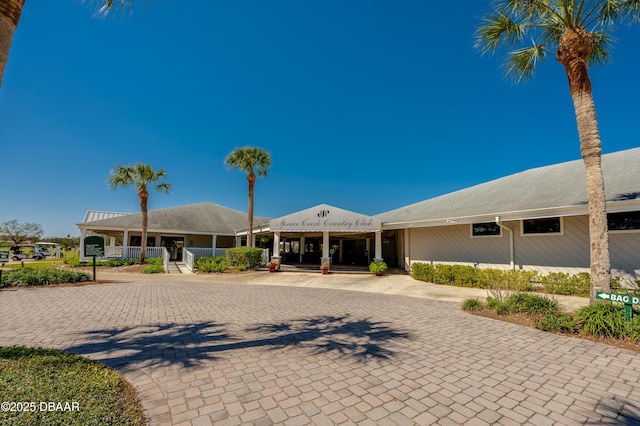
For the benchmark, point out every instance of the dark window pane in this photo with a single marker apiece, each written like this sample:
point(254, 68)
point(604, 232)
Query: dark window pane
point(541, 226)
point(623, 221)
point(484, 229)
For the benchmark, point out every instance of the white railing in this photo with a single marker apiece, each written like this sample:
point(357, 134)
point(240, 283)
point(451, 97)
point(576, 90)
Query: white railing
point(165, 259)
point(127, 252)
point(188, 258)
point(220, 252)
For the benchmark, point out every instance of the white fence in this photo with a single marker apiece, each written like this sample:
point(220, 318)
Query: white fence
point(191, 254)
point(126, 252)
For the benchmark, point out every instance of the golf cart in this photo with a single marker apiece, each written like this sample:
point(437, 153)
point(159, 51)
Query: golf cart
point(41, 250)
point(17, 253)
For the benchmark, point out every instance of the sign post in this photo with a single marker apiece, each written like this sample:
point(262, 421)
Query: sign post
point(94, 246)
point(628, 299)
point(4, 258)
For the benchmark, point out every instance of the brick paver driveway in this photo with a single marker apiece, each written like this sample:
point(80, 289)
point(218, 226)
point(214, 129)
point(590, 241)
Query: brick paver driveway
point(203, 353)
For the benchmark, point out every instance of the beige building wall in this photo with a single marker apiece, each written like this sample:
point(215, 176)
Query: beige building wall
point(567, 252)
point(198, 241)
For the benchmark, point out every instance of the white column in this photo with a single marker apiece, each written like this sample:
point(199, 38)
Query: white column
point(340, 250)
point(301, 248)
point(125, 244)
point(407, 250)
point(276, 248)
point(253, 240)
point(83, 235)
point(378, 253)
point(214, 241)
point(326, 258)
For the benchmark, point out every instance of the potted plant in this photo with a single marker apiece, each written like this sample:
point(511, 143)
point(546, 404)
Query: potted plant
point(324, 267)
point(273, 266)
point(377, 268)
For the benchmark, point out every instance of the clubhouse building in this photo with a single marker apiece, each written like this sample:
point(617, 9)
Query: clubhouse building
point(533, 220)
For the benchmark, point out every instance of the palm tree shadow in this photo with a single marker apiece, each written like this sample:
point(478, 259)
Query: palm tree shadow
point(362, 338)
point(617, 410)
point(189, 345)
point(159, 344)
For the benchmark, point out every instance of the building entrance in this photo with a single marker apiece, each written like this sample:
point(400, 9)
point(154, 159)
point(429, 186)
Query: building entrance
point(174, 245)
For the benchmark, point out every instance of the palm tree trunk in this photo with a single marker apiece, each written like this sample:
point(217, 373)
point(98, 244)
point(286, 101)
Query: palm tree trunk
point(251, 178)
point(144, 198)
point(10, 11)
point(575, 47)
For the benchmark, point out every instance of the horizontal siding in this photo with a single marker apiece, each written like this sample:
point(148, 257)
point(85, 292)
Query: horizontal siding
point(567, 253)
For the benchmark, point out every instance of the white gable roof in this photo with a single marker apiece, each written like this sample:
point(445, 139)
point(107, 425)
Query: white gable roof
point(325, 218)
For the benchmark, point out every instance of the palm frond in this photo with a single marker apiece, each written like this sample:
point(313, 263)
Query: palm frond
point(521, 63)
point(601, 47)
point(632, 10)
point(498, 28)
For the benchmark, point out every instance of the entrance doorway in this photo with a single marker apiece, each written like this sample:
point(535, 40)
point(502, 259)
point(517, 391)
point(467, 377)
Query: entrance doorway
point(174, 245)
point(354, 252)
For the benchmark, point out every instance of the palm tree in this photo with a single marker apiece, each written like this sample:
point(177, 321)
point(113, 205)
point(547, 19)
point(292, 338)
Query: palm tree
point(140, 175)
point(579, 33)
point(10, 11)
point(250, 160)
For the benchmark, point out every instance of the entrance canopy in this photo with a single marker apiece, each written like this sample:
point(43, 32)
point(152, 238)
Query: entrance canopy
point(325, 218)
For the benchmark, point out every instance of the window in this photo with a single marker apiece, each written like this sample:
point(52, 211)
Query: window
point(625, 221)
point(552, 225)
point(487, 229)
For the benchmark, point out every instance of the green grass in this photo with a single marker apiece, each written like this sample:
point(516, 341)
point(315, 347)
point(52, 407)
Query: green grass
point(38, 375)
point(53, 263)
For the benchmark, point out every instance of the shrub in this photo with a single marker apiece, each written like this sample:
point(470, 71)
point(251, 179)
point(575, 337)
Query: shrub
point(123, 262)
point(560, 283)
point(530, 304)
point(521, 280)
point(212, 264)
point(633, 329)
point(72, 261)
point(465, 275)
point(422, 271)
point(554, 321)
point(241, 268)
point(41, 276)
point(153, 269)
point(472, 304)
point(492, 303)
point(602, 319)
point(248, 256)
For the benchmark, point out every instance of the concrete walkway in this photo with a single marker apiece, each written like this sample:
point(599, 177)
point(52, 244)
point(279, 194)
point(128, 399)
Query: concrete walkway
point(298, 348)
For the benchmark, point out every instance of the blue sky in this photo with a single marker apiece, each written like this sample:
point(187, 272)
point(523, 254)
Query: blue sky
point(367, 105)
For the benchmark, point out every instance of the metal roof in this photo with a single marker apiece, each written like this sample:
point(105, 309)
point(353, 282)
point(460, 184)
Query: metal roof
point(93, 215)
point(534, 191)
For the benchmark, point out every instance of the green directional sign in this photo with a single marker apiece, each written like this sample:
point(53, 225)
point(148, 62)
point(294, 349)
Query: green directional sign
point(628, 299)
point(4, 256)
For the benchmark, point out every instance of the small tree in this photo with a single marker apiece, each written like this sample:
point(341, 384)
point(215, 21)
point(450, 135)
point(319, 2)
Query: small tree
point(140, 175)
point(19, 233)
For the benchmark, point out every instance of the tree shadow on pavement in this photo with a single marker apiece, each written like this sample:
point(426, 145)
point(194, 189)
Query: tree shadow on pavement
point(617, 410)
point(189, 345)
point(359, 338)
